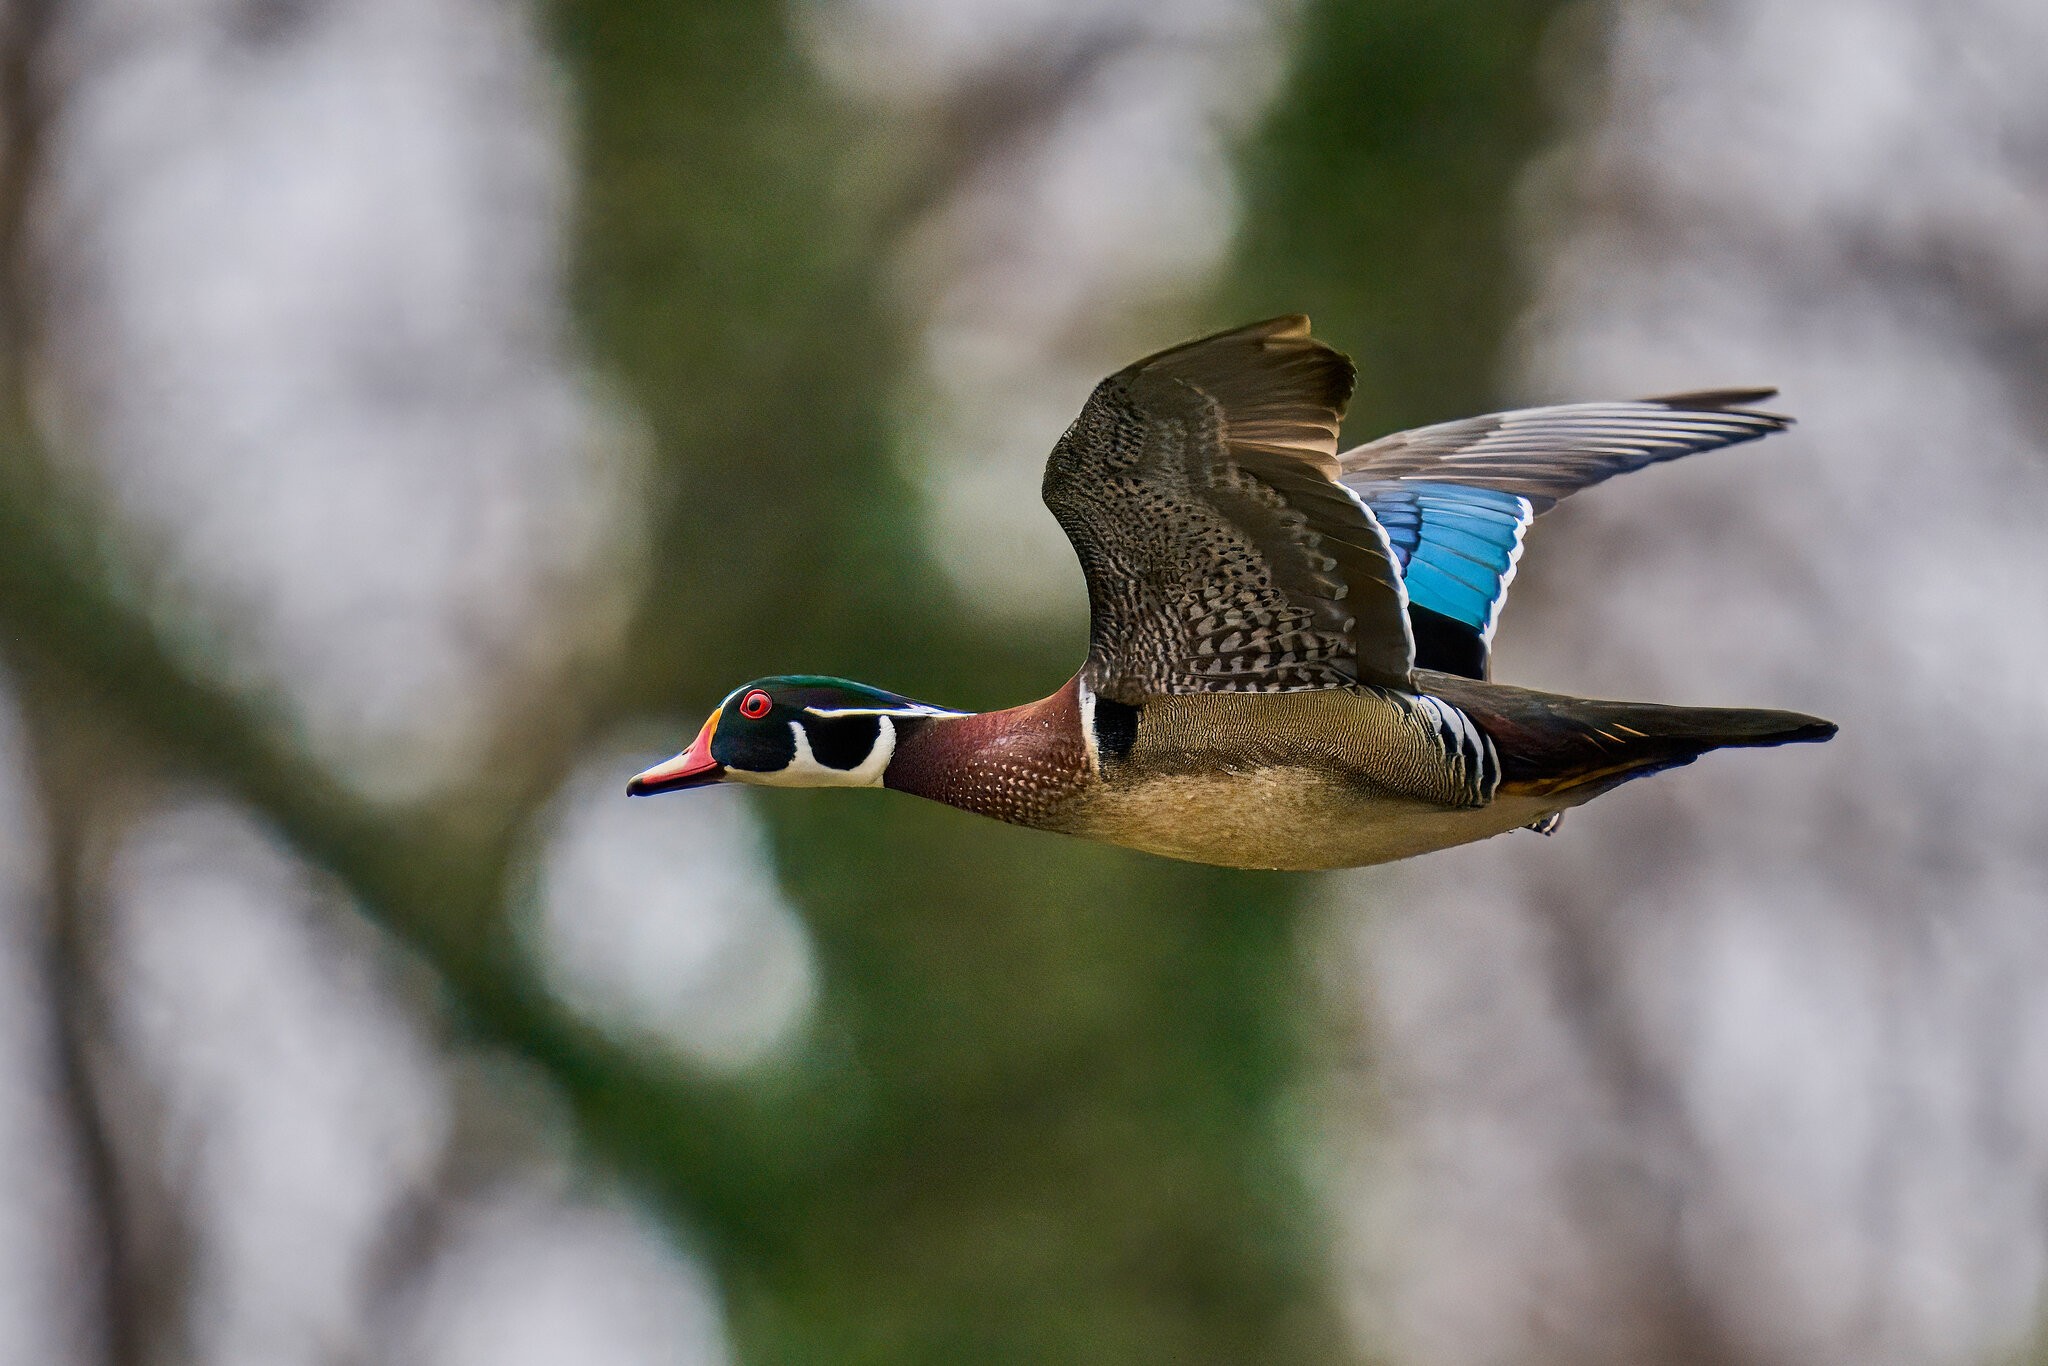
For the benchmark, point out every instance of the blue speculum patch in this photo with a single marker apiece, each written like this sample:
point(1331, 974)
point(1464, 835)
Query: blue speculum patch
point(1457, 545)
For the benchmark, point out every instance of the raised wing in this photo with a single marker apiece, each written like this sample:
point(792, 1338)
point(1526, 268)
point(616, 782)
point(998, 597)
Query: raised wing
point(1455, 499)
point(1199, 489)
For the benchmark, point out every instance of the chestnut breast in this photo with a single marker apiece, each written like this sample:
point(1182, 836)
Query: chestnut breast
point(1024, 765)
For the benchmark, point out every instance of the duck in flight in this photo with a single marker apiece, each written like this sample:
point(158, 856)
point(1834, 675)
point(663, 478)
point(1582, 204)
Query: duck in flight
point(1289, 645)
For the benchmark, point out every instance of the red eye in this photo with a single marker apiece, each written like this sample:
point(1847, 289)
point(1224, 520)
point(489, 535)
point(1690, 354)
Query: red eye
point(755, 705)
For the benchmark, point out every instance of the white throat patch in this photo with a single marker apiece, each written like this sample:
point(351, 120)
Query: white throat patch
point(804, 770)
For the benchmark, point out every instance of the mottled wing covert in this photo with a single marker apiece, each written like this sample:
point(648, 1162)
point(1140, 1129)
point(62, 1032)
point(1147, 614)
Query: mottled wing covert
point(1199, 489)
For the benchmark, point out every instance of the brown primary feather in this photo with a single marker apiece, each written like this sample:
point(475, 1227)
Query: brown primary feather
point(1197, 489)
point(1278, 389)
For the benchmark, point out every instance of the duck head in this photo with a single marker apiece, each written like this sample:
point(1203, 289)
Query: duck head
point(793, 731)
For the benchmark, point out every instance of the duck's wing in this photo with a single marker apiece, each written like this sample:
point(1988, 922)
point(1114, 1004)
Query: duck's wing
point(1456, 498)
point(1199, 488)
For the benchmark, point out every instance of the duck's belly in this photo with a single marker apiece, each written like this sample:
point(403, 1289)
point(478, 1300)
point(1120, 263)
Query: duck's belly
point(1294, 818)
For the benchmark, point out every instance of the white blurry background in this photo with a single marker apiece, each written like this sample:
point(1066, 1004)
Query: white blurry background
point(1755, 1059)
point(1746, 1065)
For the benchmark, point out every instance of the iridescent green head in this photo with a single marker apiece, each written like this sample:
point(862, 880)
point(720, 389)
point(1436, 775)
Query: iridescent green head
point(797, 730)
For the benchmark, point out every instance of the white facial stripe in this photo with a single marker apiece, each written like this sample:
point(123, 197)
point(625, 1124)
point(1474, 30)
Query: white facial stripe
point(916, 709)
point(804, 770)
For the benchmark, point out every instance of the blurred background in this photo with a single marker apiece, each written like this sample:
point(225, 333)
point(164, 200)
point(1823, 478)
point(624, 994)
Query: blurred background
point(416, 414)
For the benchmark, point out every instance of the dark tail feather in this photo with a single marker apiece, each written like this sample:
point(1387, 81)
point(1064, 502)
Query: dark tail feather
point(1552, 744)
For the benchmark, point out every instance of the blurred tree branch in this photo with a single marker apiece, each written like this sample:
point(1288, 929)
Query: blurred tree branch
point(117, 1300)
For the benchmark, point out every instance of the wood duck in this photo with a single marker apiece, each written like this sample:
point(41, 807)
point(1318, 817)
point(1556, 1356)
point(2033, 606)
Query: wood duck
point(1289, 644)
